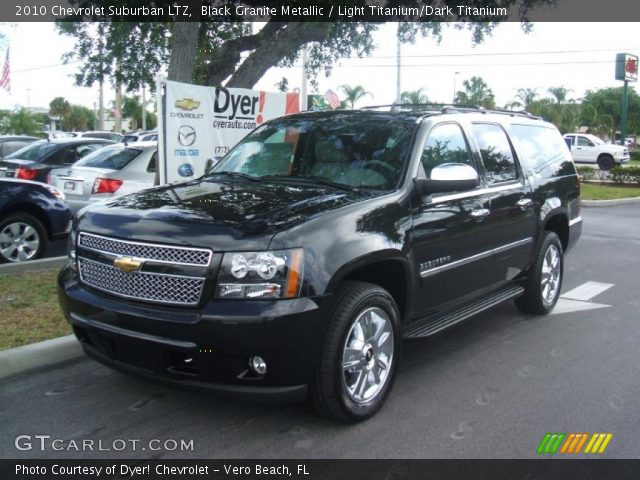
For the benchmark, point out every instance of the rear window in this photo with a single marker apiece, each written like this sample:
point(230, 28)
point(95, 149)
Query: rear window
point(539, 146)
point(113, 159)
point(35, 151)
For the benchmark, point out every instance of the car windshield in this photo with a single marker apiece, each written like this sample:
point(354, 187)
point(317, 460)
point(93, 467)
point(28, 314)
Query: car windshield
point(346, 149)
point(111, 158)
point(34, 151)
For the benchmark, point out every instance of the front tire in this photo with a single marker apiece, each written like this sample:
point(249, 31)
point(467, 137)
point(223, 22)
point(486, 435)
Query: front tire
point(544, 279)
point(360, 353)
point(605, 162)
point(22, 238)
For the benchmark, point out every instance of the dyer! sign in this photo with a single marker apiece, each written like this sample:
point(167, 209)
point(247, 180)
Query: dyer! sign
point(200, 124)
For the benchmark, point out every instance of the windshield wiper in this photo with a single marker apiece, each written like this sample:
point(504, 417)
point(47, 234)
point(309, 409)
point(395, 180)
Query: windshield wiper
point(313, 179)
point(235, 175)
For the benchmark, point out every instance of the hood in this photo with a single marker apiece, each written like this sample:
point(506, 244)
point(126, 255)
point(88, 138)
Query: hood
point(213, 214)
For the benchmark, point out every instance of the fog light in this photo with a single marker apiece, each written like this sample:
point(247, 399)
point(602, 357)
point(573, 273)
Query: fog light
point(258, 365)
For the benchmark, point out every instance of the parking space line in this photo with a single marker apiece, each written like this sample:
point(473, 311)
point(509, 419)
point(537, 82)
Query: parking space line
point(587, 291)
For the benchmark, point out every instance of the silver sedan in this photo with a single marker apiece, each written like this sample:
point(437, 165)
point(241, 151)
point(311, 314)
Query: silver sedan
point(111, 171)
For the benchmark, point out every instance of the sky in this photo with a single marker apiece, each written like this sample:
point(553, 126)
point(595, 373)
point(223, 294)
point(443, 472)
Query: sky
point(577, 56)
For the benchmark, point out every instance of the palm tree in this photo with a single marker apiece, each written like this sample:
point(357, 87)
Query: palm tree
point(559, 94)
point(59, 107)
point(476, 92)
point(414, 97)
point(353, 94)
point(526, 96)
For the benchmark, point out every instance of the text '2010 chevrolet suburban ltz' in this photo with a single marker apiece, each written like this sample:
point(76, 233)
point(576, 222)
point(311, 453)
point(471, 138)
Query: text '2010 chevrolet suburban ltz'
point(298, 265)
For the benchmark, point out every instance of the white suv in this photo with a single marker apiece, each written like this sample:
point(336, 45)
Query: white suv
point(587, 148)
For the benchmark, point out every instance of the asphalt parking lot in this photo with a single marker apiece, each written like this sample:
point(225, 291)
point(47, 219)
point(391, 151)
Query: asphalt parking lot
point(491, 387)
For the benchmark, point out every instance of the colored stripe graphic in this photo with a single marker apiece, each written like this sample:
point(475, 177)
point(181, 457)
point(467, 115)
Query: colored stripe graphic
point(551, 442)
point(573, 443)
point(598, 443)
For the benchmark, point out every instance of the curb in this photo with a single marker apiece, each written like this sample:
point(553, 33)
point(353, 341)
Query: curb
point(37, 355)
point(610, 203)
point(32, 265)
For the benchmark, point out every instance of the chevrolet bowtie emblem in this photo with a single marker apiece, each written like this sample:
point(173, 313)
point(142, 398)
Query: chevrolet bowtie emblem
point(127, 264)
point(187, 104)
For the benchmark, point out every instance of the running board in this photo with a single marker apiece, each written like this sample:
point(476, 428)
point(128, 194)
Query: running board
point(433, 324)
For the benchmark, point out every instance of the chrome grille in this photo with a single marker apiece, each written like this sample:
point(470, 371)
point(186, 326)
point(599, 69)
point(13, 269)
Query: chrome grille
point(152, 287)
point(147, 251)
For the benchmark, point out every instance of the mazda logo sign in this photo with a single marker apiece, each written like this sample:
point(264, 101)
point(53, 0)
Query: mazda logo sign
point(186, 135)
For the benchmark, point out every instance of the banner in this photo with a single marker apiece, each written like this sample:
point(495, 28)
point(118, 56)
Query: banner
point(199, 125)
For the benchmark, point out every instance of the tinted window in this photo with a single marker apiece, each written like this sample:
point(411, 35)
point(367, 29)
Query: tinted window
point(446, 144)
point(151, 168)
point(497, 156)
point(11, 146)
point(539, 146)
point(35, 151)
point(109, 158)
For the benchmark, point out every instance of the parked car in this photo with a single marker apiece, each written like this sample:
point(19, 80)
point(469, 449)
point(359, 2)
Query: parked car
point(114, 136)
point(586, 148)
point(143, 136)
point(113, 170)
point(34, 161)
point(12, 143)
point(31, 215)
point(298, 264)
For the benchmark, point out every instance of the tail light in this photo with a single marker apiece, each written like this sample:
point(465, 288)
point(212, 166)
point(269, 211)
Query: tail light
point(106, 185)
point(26, 173)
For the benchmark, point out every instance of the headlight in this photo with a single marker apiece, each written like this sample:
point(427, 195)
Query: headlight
point(272, 274)
point(71, 248)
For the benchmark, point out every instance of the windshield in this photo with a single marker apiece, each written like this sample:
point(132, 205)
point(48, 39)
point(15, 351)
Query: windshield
point(595, 140)
point(345, 149)
point(112, 158)
point(34, 151)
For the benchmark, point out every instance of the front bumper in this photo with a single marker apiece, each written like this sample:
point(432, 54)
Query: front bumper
point(206, 348)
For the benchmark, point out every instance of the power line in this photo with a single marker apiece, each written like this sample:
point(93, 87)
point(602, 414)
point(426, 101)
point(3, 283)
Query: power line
point(44, 67)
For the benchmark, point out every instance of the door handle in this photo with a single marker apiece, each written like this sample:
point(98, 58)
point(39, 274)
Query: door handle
point(480, 213)
point(524, 203)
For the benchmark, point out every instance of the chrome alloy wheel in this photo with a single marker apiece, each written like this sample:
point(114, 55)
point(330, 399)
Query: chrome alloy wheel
point(550, 277)
point(19, 242)
point(367, 355)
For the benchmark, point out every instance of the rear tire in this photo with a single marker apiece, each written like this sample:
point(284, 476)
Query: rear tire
point(360, 353)
point(22, 238)
point(544, 279)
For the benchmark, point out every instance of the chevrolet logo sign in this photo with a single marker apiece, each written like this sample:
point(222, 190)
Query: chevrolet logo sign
point(127, 264)
point(187, 104)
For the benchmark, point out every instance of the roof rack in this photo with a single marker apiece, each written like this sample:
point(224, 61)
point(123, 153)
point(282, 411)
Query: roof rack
point(450, 108)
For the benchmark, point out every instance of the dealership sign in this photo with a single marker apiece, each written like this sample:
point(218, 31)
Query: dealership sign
point(626, 67)
point(198, 125)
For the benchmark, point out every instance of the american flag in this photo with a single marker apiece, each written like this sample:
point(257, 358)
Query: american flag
point(5, 79)
point(332, 99)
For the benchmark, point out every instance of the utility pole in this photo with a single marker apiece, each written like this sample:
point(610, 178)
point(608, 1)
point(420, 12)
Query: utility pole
point(303, 89)
point(399, 66)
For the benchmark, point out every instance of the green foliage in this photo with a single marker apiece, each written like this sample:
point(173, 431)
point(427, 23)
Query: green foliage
point(477, 93)
point(621, 175)
point(414, 97)
point(353, 94)
point(602, 110)
point(23, 122)
point(79, 118)
point(585, 173)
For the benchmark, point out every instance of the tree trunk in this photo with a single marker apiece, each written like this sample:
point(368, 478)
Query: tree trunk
point(184, 43)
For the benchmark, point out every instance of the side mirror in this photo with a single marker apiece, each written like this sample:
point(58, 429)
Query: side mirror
point(449, 177)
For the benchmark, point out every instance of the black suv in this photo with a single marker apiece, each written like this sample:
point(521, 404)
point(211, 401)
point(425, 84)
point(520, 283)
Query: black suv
point(299, 263)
